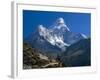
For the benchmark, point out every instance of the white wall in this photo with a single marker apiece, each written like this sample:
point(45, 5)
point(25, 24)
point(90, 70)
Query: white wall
point(5, 39)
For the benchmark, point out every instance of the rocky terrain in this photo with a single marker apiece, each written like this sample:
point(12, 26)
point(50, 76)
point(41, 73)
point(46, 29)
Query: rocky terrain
point(32, 58)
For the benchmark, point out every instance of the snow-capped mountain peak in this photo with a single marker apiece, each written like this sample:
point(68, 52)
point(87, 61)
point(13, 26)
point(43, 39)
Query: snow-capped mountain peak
point(42, 30)
point(54, 39)
point(60, 23)
point(51, 37)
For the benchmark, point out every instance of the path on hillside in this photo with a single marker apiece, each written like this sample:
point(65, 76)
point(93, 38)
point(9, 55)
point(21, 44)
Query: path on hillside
point(50, 64)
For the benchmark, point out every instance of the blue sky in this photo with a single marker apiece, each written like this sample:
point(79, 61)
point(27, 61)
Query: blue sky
point(77, 22)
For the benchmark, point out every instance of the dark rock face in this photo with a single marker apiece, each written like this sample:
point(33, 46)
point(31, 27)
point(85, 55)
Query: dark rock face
point(77, 54)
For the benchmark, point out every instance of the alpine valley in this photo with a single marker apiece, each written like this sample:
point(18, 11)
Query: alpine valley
point(56, 46)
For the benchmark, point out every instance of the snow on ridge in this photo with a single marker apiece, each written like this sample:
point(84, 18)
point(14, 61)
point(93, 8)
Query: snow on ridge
point(57, 41)
point(84, 36)
point(61, 23)
point(52, 39)
point(42, 30)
